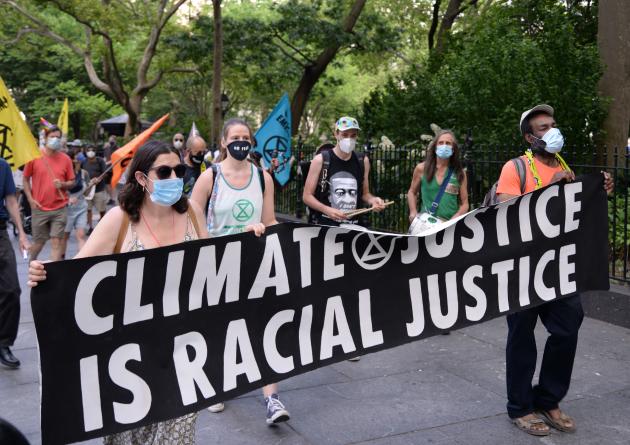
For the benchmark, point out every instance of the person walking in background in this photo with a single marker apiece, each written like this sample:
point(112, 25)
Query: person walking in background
point(440, 200)
point(51, 175)
point(194, 161)
point(77, 205)
point(532, 408)
point(9, 284)
point(178, 144)
point(95, 166)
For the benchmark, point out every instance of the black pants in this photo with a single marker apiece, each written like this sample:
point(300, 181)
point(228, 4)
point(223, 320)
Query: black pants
point(562, 319)
point(9, 292)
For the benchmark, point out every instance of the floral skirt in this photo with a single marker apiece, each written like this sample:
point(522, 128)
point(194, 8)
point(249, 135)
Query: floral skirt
point(180, 431)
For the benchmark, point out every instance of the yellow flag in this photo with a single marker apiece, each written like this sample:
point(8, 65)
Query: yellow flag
point(17, 144)
point(62, 123)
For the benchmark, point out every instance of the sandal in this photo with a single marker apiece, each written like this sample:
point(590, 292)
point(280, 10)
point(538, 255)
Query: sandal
point(564, 423)
point(535, 426)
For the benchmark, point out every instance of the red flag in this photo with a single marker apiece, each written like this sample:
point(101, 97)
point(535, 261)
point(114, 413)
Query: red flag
point(122, 156)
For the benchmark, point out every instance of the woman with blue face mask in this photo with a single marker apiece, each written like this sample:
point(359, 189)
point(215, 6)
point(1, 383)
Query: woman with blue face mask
point(441, 164)
point(153, 212)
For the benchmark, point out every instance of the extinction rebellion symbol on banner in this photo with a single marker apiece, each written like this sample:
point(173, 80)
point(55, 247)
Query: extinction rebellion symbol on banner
point(132, 339)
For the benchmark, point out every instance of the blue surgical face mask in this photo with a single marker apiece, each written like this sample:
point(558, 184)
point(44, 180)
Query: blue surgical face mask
point(54, 143)
point(167, 192)
point(444, 151)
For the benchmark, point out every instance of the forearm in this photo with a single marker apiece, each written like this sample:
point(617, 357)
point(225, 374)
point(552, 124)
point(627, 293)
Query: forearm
point(412, 199)
point(368, 198)
point(66, 185)
point(463, 208)
point(14, 212)
point(27, 190)
point(312, 202)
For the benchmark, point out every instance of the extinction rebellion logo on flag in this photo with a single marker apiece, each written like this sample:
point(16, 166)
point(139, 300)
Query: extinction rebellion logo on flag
point(131, 339)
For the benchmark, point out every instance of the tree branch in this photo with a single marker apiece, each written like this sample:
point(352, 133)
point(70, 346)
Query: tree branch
point(149, 50)
point(289, 55)
point(308, 59)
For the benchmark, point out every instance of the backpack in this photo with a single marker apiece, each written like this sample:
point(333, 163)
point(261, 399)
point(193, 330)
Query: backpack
point(321, 189)
point(491, 197)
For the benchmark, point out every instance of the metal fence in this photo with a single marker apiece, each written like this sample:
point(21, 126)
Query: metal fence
point(392, 169)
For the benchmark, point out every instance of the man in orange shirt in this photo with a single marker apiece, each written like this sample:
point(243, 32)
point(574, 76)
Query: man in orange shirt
point(46, 180)
point(532, 408)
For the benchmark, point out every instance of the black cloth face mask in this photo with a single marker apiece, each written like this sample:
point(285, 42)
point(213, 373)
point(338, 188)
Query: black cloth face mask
point(239, 149)
point(197, 159)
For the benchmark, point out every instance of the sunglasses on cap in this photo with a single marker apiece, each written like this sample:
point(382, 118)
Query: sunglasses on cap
point(164, 171)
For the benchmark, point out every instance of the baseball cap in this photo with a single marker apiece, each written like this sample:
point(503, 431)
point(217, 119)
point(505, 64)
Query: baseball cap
point(347, 123)
point(541, 107)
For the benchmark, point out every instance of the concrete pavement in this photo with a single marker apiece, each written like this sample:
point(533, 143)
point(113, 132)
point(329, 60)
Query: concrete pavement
point(442, 390)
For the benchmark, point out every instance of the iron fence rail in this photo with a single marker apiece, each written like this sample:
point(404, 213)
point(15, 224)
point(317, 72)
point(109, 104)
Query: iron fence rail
point(392, 170)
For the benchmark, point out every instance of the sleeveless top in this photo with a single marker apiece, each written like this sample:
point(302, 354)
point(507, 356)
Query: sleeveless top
point(230, 209)
point(449, 204)
point(135, 243)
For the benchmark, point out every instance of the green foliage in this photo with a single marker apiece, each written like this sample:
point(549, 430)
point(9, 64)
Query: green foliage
point(513, 56)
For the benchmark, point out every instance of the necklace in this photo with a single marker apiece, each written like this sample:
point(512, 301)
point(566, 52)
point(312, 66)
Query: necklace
point(146, 223)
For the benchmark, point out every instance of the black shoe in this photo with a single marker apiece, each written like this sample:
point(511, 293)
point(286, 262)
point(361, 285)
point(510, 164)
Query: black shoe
point(7, 358)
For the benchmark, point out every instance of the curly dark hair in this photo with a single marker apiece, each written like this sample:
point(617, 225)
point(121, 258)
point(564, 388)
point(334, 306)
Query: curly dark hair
point(430, 162)
point(132, 194)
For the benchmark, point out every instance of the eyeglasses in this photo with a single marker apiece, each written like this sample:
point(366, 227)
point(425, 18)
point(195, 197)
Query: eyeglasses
point(164, 171)
point(178, 140)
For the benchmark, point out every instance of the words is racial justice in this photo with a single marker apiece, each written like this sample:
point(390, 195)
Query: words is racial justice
point(130, 339)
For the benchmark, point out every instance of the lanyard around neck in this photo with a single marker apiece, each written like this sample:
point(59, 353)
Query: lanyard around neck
point(532, 166)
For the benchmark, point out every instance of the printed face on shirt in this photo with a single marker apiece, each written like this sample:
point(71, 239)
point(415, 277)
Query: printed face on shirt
point(343, 191)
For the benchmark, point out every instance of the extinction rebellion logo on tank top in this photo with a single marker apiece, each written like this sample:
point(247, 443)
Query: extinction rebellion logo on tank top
point(243, 210)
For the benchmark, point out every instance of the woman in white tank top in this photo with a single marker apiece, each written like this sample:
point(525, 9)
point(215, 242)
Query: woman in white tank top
point(239, 200)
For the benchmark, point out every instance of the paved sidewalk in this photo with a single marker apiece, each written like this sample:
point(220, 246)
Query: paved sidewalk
point(442, 390)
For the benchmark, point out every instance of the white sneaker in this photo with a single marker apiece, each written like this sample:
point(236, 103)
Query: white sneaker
point(355, 359)
point(217, 407)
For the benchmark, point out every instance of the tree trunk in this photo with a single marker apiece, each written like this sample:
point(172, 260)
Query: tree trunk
point(452, 11)
point(314, 71)
point(613, 40)
point(435, 20)
point(217, 117)
point(133, 108)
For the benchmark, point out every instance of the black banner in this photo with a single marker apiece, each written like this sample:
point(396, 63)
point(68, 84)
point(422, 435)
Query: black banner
point(131, 339)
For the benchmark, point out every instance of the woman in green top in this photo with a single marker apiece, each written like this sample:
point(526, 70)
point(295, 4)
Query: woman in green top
point(442, 154)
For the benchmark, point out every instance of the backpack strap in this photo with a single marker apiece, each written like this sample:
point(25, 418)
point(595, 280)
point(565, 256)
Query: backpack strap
point(323, 174)
point(122, 232)
point(215, 174)
point(261, 178)
point(520, 167)
point(193, 219)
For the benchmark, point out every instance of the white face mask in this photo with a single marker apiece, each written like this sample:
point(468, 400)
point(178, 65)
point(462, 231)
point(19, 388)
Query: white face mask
point(178, 144)
point(347, 145)
point(91, 154)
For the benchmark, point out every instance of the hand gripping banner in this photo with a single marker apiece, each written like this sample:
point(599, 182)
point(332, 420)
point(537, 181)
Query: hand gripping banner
point(130, 339)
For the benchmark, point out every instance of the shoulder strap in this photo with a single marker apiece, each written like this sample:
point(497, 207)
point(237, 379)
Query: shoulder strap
point(122, 232)
point(519, 164)
point(215, 171)
point(323, 174)
point(193, 219)
point(261, 178)
point(361, 160)
point(438, 197)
